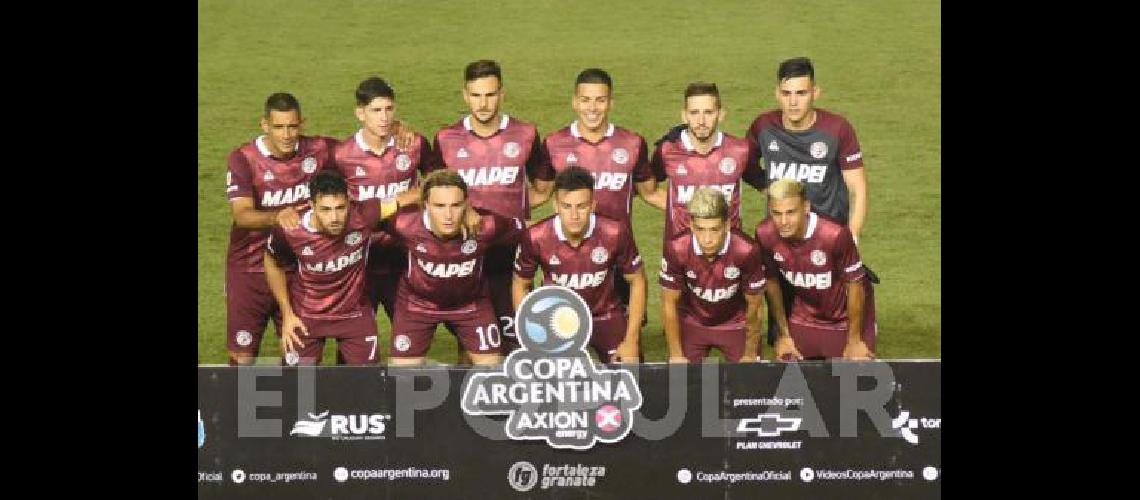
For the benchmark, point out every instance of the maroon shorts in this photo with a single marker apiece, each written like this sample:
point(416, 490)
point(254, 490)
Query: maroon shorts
point(816, 342)
point(477, 329)
point(249, 307)
point(607, 335)
point(356, 341)
point(697, 339)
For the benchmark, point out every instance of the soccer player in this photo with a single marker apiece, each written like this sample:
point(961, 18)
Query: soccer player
point(833, 313)
point(813, 146)
point(376, 167)
point(617, 157)
point(267, 179)
point(326, 299)
point(580, 249)
point(446, 281)
point(501, 159)
point(712, 282)
point(702, 156)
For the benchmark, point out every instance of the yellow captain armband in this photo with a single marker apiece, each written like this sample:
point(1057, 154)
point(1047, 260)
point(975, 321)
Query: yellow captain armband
point(388, 207)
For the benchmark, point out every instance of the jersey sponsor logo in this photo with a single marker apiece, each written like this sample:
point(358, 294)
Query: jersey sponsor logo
point(727, 165)
point(818, 149)
point(489, 176)
point(447, 270)
point(856, 156)
point(599, 255)
point(353, 238)
point(772, 146)
point(337, 264)
point(286, 196)
point(307, 251)
point(818, 257)
point(468, 247)
point(613, 181)
point(685, 193)
point(462, 153)
point(821, 281)
point(511, 149)
point(571, 159)
point(579, 281)
point(802, 172)
point(620, 156)
point(714, 295)
point(383, 191)
point(309, 165)
point(554, 260)
point(403, 163)
point(731, 272)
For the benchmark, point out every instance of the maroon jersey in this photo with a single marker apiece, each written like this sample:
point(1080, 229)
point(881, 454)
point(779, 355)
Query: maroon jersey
point(818, 267)
point(381, 174)
point(446, 275)
point(730, 161)
point(330, 269)
point(496, 168)
point(587, 269)
point(713, 292)
point(618, 161)
point(273, 184)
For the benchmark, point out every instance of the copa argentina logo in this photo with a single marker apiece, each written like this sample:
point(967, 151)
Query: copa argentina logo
point(550, 388)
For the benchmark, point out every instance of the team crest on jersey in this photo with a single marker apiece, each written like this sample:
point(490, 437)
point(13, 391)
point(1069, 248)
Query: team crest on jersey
point(353, 238)
point(244, 338)
point(571, 159)
point(468, 247)
point(818, 258)
point(620, 156)
point(777, 257)
point(731, 272)
point(307, 251)
point(268, 176)
point(691, 274)
point(403, 163)
point(599, 255)
point(511, 149)
point(309, 165)
point(554, 260)
point(818, 150)
point(462, 153)
point(681, 169)
point(421, 248)
point(772, 146)
point(403, 343)
point(292, 357)
point(727, 166)
point(360, 172)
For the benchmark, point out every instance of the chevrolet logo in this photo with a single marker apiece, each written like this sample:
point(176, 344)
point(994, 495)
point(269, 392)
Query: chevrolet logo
point(768, 424)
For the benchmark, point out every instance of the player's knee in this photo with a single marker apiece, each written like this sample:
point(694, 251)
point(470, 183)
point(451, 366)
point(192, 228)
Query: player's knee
point(486, 359)
point(406, 361)
point(241, 358)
